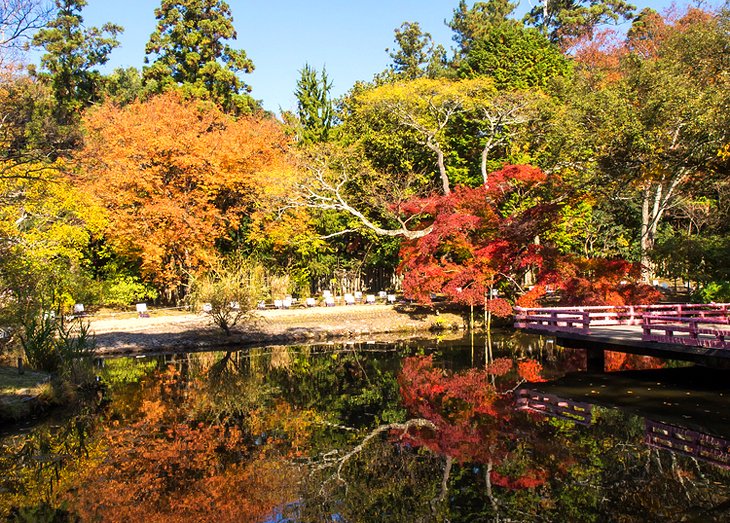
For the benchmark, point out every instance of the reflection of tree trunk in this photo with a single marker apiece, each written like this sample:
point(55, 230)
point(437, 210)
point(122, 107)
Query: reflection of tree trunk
point(488, 326)
point(444, 482)
point(217, 369)
point(488, 480)
point(419, 423)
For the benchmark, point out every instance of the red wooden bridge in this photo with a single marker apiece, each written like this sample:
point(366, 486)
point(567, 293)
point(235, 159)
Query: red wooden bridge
point(693, 332)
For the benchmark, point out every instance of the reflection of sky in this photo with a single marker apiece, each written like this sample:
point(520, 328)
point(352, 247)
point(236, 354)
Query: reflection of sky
point(292, 511)
point(349, 38)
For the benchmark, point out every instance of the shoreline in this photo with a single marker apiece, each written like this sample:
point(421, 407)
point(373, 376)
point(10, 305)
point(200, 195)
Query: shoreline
point(165, 333)
point(120, 336)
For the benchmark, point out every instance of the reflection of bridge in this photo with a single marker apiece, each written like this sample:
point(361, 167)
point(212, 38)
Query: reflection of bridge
point(693, 443)
point(693, 332)
point(688, 442)
point(552, 405)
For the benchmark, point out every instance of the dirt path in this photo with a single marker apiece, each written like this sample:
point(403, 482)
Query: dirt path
point(190, 331)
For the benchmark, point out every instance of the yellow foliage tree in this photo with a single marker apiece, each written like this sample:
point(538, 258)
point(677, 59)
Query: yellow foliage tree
point(45, 225)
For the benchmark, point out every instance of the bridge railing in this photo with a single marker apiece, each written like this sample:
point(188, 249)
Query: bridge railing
point(552, 320)
point(581, 319)
point(708, 330)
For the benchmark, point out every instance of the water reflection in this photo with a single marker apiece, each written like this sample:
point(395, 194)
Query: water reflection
point(699, 445)
point(552, 405)
point(439, 431)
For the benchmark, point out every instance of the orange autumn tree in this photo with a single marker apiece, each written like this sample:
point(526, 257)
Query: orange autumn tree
point(177, 176)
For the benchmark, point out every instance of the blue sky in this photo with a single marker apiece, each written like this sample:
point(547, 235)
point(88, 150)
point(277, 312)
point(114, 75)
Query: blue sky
point(280, 36)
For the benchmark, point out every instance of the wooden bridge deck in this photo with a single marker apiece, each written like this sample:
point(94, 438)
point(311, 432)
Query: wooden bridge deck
point(698, 333)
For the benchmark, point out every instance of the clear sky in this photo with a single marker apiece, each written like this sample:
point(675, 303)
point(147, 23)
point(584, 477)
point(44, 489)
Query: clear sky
point(349, 37)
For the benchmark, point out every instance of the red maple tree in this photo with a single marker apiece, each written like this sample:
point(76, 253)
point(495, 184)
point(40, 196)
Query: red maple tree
point(481, 238)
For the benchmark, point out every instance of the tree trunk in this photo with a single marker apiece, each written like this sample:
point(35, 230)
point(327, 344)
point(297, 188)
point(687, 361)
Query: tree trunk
point(483, 166)
point(646, 240)
point(442, 171)
point(657, 195)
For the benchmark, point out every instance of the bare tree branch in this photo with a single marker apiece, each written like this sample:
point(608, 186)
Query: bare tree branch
point(499, 115)
point(419, 423)
point(19, 19)
point(326, 190)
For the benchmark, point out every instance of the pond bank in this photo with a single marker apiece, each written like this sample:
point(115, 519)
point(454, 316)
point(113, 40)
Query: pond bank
point(195, 331)
point(20, 393)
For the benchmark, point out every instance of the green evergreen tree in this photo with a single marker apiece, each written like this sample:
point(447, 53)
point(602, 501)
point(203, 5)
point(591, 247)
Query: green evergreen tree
point(314, 106)
point(72, 54)
point(516, 57)
point(124, 86)
point(565, 21)
point(188, 50)
point(416, 55)
point(469, 24)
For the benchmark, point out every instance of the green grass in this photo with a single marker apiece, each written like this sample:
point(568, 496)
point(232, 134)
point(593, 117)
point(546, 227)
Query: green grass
point(17, 391)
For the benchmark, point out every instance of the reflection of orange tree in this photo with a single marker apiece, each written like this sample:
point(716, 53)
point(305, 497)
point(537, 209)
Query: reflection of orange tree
point(469, 414)
point(165, 467)
point(39, 467)
point(616, 361)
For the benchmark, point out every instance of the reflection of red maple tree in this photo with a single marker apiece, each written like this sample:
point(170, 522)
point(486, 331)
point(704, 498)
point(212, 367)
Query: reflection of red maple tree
point(530, 370)
point(468, 412)
point(616, 361)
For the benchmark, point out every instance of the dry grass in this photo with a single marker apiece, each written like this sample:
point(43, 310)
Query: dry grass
point(19, 391)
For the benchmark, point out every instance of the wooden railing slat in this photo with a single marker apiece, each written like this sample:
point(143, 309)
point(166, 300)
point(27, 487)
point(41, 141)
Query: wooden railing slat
point(687, 324)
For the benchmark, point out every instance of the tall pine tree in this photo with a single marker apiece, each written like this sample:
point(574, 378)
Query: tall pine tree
point(416, 55)
point(189, 50)
point(471, 23)
point(72, 52)
point(314, 107)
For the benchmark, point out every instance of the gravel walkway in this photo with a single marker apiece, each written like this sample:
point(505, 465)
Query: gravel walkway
point(127, 334)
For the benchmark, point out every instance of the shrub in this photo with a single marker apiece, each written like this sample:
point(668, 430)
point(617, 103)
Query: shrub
point(229, 293)
point(127, 290)
point(55, 345)
point(717, 291)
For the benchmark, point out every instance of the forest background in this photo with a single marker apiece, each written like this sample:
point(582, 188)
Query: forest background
point(541, 158)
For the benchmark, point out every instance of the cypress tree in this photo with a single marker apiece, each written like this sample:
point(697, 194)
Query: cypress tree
point(314, 107)
point(189, 50)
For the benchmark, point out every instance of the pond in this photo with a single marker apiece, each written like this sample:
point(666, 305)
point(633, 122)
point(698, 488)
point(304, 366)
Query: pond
point(461, 430)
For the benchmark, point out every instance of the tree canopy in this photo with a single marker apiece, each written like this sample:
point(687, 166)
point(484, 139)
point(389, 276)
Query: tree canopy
point(72, 52)
point(176, 176)
point(189, 49)
point(630, 130)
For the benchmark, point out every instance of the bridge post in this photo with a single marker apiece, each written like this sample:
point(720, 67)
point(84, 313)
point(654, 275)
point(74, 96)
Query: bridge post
point(596, 360)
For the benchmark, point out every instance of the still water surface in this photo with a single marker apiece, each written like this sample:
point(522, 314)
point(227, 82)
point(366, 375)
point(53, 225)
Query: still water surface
point(427, 431)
